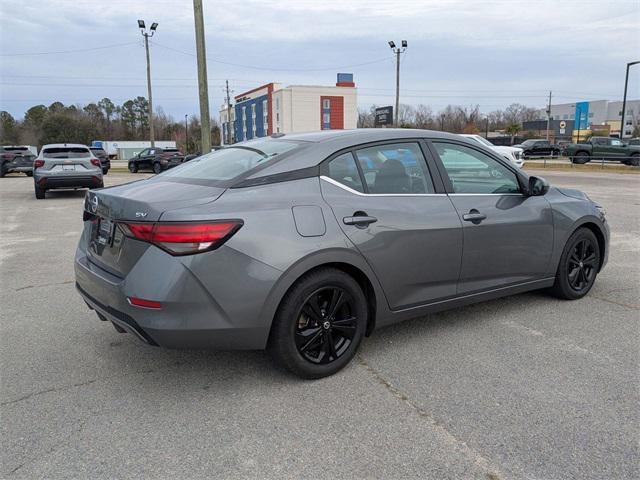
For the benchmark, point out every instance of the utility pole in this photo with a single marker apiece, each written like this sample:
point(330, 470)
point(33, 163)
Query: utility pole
point(228, 115)
point(186, 134)
point(548, 114)
point(203, 86)
point(624, 98)
point(397, 51)
point(486, 131)
point(146, 35)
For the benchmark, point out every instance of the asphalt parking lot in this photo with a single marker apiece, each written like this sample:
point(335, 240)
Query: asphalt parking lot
point(522, 387)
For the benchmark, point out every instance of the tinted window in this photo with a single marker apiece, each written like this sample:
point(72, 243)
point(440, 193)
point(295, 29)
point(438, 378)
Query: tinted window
point(66, 152)
point(395, 168)
point(600, 141)
point(343, 169)
point(471, 171)
point(230, 162)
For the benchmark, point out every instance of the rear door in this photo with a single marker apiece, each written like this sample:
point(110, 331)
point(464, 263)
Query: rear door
point(508, 236)
point(397, 215)
point(618, 149)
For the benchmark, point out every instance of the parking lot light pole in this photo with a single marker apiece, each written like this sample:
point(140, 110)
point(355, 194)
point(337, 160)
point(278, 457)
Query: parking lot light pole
point(624, 97)
point(186, 134)
point(397, 51)
point(146, 34)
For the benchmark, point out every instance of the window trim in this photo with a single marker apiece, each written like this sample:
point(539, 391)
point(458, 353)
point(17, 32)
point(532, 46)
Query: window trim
point(520, 177)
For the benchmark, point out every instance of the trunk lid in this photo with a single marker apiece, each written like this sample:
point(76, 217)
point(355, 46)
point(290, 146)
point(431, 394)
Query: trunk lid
point(141, 201)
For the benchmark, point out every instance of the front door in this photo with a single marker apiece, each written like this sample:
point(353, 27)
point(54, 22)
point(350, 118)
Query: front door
point(508, 236)
point(384, 199)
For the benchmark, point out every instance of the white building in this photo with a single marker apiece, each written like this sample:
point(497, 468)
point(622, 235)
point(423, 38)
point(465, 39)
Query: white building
point(271, 109)
point(598, 112)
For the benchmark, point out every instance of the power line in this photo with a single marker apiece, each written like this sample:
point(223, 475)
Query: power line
point(253, 67)
point(68, 51)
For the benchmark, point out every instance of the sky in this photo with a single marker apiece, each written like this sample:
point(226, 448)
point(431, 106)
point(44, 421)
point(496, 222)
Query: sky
point(489, 53)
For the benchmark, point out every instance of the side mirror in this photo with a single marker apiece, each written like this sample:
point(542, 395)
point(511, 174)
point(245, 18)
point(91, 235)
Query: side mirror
point(538, 186)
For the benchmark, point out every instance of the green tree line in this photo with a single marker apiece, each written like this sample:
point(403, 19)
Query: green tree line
point(102, 120)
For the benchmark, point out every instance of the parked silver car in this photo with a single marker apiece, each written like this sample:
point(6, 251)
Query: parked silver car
point(306, 243)
point(66, 165)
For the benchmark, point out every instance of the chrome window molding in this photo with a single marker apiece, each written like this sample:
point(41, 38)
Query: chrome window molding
point(362, 194)
point(355, 192)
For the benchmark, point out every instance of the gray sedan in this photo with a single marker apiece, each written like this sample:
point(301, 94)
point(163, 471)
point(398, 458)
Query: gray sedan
point(305, 243)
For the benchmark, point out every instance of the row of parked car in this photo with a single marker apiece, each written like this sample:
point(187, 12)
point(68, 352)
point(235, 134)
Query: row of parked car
point(72, 165)
point(593, 148)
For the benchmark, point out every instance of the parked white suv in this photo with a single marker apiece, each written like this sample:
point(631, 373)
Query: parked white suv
point(513, 154)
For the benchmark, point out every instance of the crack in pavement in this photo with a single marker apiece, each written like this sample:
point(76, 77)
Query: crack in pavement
point(484, 464)
point(66, 282)
point(626, 305)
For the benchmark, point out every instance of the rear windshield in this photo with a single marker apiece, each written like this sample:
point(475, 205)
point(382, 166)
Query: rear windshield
point(66, 152)
point(170, 150)
point(15, 149)
point(230, 162)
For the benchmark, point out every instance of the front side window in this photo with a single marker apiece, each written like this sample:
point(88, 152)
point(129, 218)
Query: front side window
point(343, 169)
point(398, 168)
point(471, 171)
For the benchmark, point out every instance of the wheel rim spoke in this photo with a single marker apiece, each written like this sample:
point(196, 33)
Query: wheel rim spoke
point(581, 265)
point(326, 325)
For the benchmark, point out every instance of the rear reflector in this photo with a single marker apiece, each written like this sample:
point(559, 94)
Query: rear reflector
point(184, 238)
point(141, 302)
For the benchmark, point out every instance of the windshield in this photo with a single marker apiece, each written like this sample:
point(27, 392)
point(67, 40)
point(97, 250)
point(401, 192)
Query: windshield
point(230, 162)
point(529, 142)
point(66, 152)
point(483, 141)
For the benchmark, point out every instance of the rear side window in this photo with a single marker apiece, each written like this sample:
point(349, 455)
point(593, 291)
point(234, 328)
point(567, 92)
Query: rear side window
point(343, 169)
point(231, 162)
point(66, 152)
point(398, 168)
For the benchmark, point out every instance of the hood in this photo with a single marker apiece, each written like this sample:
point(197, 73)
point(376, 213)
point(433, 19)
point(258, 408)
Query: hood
point(146, 200)
point(570, 192)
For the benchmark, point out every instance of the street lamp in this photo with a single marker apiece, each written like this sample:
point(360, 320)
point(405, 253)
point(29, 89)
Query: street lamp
point(397, 51)
point(624, 98)
point(146, 35)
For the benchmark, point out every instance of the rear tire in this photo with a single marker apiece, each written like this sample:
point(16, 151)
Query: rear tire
point(635, 160)
point(581, 158)
point(29, 174)
point(319, 324)
point(105, 171)
point(40, 192)
point(133, 168)
point(157, 168)
point(2, 172)
point(578, 267)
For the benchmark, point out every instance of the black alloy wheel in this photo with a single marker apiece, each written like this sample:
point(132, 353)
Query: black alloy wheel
point(157, 168)
point(326, 325)
point(133, 168)
point(578, 267)
point(319, 324)
point(582, 266)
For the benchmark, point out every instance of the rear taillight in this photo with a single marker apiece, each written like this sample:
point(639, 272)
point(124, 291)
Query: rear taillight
point(95, 161)
point(183, 238)
point(38, 164)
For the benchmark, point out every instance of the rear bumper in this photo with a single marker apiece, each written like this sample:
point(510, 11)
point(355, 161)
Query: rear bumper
point(190, 316)
point(69, 181)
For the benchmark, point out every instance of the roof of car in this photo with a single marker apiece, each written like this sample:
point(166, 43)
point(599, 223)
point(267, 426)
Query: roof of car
point(321, 145)
point(64, 145)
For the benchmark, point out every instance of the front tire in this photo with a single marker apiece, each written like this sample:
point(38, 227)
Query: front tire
point(133, 168)
point(578, 266)
point(319, 324)
point(581, 158)
point(29, 174)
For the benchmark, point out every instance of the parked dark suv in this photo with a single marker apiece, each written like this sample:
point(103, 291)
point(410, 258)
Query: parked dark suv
point(538, 148)
point(156, 159)
point(16, 159)
point(103, 157)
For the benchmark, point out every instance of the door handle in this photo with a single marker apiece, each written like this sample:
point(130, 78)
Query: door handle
point(474, 216)
point(360, 221)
